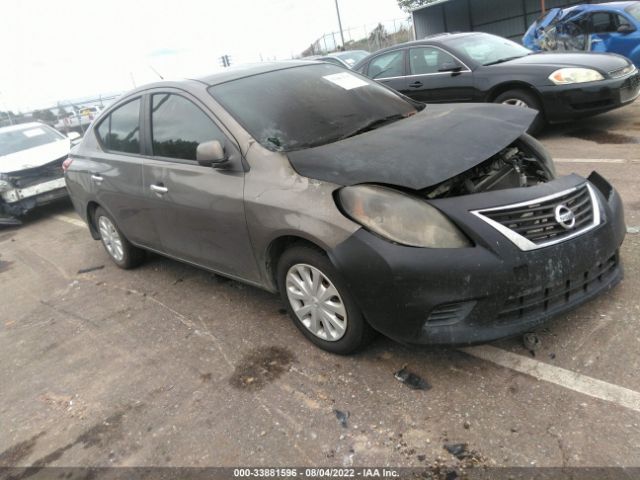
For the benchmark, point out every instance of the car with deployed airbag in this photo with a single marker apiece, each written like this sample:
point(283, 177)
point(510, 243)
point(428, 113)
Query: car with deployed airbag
point(365, 210)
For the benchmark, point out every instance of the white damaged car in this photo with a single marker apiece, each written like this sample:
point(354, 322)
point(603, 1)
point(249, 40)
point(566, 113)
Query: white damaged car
point(31, 158)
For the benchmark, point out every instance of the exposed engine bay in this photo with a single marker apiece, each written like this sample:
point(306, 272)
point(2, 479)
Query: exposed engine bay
point(513, 167)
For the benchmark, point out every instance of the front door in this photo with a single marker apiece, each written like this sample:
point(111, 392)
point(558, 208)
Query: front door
point(389, 68)
point(198, 210)
point(436, 76)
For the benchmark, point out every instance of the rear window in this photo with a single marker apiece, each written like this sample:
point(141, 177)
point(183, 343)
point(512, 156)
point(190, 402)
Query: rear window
point(34, 136)
point(307, 106)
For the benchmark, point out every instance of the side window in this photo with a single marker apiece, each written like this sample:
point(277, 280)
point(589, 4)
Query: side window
point(178, 126)
point(120, 131)
point(621, 20)
point(425, 60)
point(387, 65)
point(602, 22)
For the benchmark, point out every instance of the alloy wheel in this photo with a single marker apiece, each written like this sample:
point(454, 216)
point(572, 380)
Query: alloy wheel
point(516, 102)
point(316, 302)
point(111, 238)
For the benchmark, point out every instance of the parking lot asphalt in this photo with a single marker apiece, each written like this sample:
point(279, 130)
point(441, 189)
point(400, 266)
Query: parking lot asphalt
point(168, 365)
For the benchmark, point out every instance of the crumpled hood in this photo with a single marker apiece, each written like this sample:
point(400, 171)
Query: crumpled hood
point(423, 150)
point(34, 157)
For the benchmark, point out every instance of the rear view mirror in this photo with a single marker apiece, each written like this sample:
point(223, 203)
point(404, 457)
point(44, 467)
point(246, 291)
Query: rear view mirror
point(626, 28)
point(449, 67)
point(210, 153)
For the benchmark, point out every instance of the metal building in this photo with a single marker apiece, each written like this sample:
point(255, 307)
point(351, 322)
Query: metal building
point(507, 18)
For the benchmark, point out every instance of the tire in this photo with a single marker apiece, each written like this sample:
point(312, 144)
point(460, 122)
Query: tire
point(119, 249)
point(522, 98)
point(292, 266)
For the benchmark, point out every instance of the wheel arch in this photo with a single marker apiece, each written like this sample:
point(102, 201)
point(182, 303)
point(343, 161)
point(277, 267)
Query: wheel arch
point(512, 85)
point(92, 206)
point(277, 247)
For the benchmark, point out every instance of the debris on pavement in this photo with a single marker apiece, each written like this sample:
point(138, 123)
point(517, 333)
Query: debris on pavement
point(342, 417)
point(466, 425)
point(633, 229)
point(91, 269)
point(458, 450)
point(531, 342)
point(411, 380)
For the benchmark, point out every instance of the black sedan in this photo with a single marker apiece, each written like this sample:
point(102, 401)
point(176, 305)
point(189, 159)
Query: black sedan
point(479, 67)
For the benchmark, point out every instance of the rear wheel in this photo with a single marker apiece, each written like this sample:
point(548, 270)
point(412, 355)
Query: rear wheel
point(121, 251)
point(319, 303)
point(524, 99)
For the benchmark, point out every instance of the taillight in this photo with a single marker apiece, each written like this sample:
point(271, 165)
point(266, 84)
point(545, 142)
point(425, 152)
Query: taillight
point(66, 164)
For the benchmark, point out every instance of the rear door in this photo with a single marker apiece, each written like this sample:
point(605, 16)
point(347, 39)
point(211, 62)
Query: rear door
point(389, 68)
point(437, 76)
point(114, 173)
point(198, 210)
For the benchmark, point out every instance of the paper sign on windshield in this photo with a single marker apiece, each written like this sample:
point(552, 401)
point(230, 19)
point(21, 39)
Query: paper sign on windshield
point(33, 132)
point(346, 80)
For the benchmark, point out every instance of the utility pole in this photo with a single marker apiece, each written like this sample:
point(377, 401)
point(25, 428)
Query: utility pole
point(542, 7)
point(340, 23)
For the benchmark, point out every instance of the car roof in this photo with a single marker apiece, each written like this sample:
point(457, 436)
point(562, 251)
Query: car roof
point(248, 70)
point(434, 39)
point(21, 126)
point(619, 6)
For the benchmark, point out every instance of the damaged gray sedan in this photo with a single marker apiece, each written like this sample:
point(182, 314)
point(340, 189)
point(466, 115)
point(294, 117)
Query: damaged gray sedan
point(367, 211)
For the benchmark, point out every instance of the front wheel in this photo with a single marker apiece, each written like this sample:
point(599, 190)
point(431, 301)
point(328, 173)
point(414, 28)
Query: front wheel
point(121, 251)
point(319, 302)
point(524, 99)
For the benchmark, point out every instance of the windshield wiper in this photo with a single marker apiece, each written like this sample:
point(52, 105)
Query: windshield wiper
point(502, 60)
point(374, 124)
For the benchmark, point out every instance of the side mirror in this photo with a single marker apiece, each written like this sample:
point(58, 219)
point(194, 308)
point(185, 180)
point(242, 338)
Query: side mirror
point(626, 28)
point(450, 67)
point(73, 136)
point(211, 154)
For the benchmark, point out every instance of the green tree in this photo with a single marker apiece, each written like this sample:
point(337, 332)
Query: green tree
point(46, 116)
point(408, 5)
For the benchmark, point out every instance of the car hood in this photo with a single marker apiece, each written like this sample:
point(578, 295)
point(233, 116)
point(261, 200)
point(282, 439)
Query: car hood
point(34, 157)
point(605, 62)
point(423, 150)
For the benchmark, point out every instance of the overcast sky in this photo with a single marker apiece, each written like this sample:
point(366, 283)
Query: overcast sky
point(51, 50)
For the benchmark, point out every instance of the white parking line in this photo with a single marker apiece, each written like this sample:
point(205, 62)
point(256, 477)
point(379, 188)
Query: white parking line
point(72, 220)
point(560, 376)
point(590, 160)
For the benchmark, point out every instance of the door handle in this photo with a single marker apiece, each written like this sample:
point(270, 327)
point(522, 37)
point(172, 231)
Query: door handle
point(97, 178)
point(415, 84)
point(159, 189)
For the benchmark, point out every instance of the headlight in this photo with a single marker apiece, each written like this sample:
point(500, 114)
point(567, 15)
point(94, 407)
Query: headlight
point(566, 76)
point(400, 218)
point(5, 184)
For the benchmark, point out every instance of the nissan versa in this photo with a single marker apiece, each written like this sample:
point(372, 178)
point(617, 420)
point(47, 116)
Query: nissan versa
point(367, 211)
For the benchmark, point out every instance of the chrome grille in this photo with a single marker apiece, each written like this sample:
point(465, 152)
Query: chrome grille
point(536, 223)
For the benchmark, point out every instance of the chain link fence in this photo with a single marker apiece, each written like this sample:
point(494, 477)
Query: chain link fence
point(369, 37)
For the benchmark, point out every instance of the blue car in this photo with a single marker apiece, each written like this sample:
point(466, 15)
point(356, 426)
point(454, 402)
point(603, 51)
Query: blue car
point(606, 27)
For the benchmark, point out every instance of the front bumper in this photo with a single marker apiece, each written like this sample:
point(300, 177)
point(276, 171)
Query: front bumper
point(569, 102)
point(19, 201)
point(492, 290)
